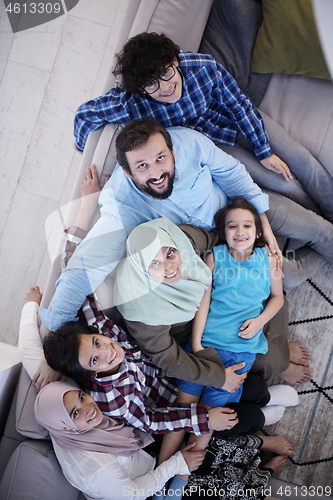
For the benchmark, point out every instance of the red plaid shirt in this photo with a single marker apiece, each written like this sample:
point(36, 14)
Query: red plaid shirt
point(139, 393)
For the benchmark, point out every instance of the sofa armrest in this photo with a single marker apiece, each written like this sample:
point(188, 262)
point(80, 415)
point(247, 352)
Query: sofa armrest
point(34, 463)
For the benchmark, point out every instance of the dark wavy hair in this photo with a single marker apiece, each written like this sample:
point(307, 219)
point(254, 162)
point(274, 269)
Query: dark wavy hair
point(239, 202)
point(135, 134)
point(61, 349)
point(143, 58)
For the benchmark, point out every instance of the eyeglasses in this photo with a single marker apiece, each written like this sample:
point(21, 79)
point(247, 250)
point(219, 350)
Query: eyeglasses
point(154, 85)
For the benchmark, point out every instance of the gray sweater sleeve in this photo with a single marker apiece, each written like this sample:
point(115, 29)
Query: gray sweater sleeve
point(204, 367)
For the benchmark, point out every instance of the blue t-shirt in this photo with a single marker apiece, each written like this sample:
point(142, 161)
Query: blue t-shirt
point(239, 292)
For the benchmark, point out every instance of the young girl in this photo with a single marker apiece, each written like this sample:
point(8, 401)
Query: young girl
point(246, 292)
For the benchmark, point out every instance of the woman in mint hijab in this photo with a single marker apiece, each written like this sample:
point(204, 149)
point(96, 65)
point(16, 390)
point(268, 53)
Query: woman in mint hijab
point(162, 280)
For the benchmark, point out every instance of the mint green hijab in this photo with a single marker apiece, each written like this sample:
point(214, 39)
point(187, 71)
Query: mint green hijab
point(139, 297)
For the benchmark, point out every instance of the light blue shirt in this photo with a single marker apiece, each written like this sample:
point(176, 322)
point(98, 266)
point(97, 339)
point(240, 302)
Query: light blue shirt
point(206, 178)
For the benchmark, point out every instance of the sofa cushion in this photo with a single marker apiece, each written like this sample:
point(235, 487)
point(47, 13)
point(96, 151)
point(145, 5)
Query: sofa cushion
point(26, 423)
point(287, 40)
point(311, 124)
point(184, 22)
point(33, 473)
point(229, 37)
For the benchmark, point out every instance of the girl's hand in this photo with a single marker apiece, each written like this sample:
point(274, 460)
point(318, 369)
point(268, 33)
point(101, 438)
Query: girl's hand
point(193, 459)
point(250, 328)
point(34, 295)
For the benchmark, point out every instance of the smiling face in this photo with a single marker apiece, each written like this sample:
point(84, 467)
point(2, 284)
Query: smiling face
point(240, 232)
point(166, 267)
point(170, 91)
point(99, 353)
point(82, 409)
point(152, 167)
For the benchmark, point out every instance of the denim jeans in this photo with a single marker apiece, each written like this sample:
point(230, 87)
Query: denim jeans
point(313, 234)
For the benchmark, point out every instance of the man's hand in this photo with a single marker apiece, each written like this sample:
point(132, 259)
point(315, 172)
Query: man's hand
point(34, 295)
point(250, 328)
point(278, 166)
point(193, 459)
point(44, 375)
point(221, 419)
point(232, 380)
point(273, 247)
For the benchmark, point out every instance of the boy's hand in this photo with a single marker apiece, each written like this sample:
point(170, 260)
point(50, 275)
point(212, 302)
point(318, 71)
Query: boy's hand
point(221, 419)
point(74, 147)
point(250, 328)
point(44, 375)
point(278, 166)
point(34, 295)
point(233, 380)
point(193, 459)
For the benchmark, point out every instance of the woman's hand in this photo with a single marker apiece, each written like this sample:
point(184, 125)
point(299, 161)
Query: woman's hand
point(193, 459)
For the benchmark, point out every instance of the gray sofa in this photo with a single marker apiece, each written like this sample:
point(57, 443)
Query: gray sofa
point(302, 105)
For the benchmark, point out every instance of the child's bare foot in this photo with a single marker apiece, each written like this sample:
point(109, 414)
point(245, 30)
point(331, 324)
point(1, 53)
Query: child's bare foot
point(277, 464)
point(278, 445)
point(298, 354)
point(296, 374)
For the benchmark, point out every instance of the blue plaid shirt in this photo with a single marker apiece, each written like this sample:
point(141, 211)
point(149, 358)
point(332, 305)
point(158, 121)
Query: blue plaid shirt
point(211, 103)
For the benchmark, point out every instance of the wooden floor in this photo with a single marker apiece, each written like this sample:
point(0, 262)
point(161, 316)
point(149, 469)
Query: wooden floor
point(45, 74)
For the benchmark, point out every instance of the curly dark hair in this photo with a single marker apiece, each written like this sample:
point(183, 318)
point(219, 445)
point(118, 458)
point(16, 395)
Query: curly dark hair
point(220, 216)
point(135, 134)
point(61, 349)
point(143, 58)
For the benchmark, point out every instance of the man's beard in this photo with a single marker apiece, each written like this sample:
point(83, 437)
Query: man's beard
point(148, 189)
